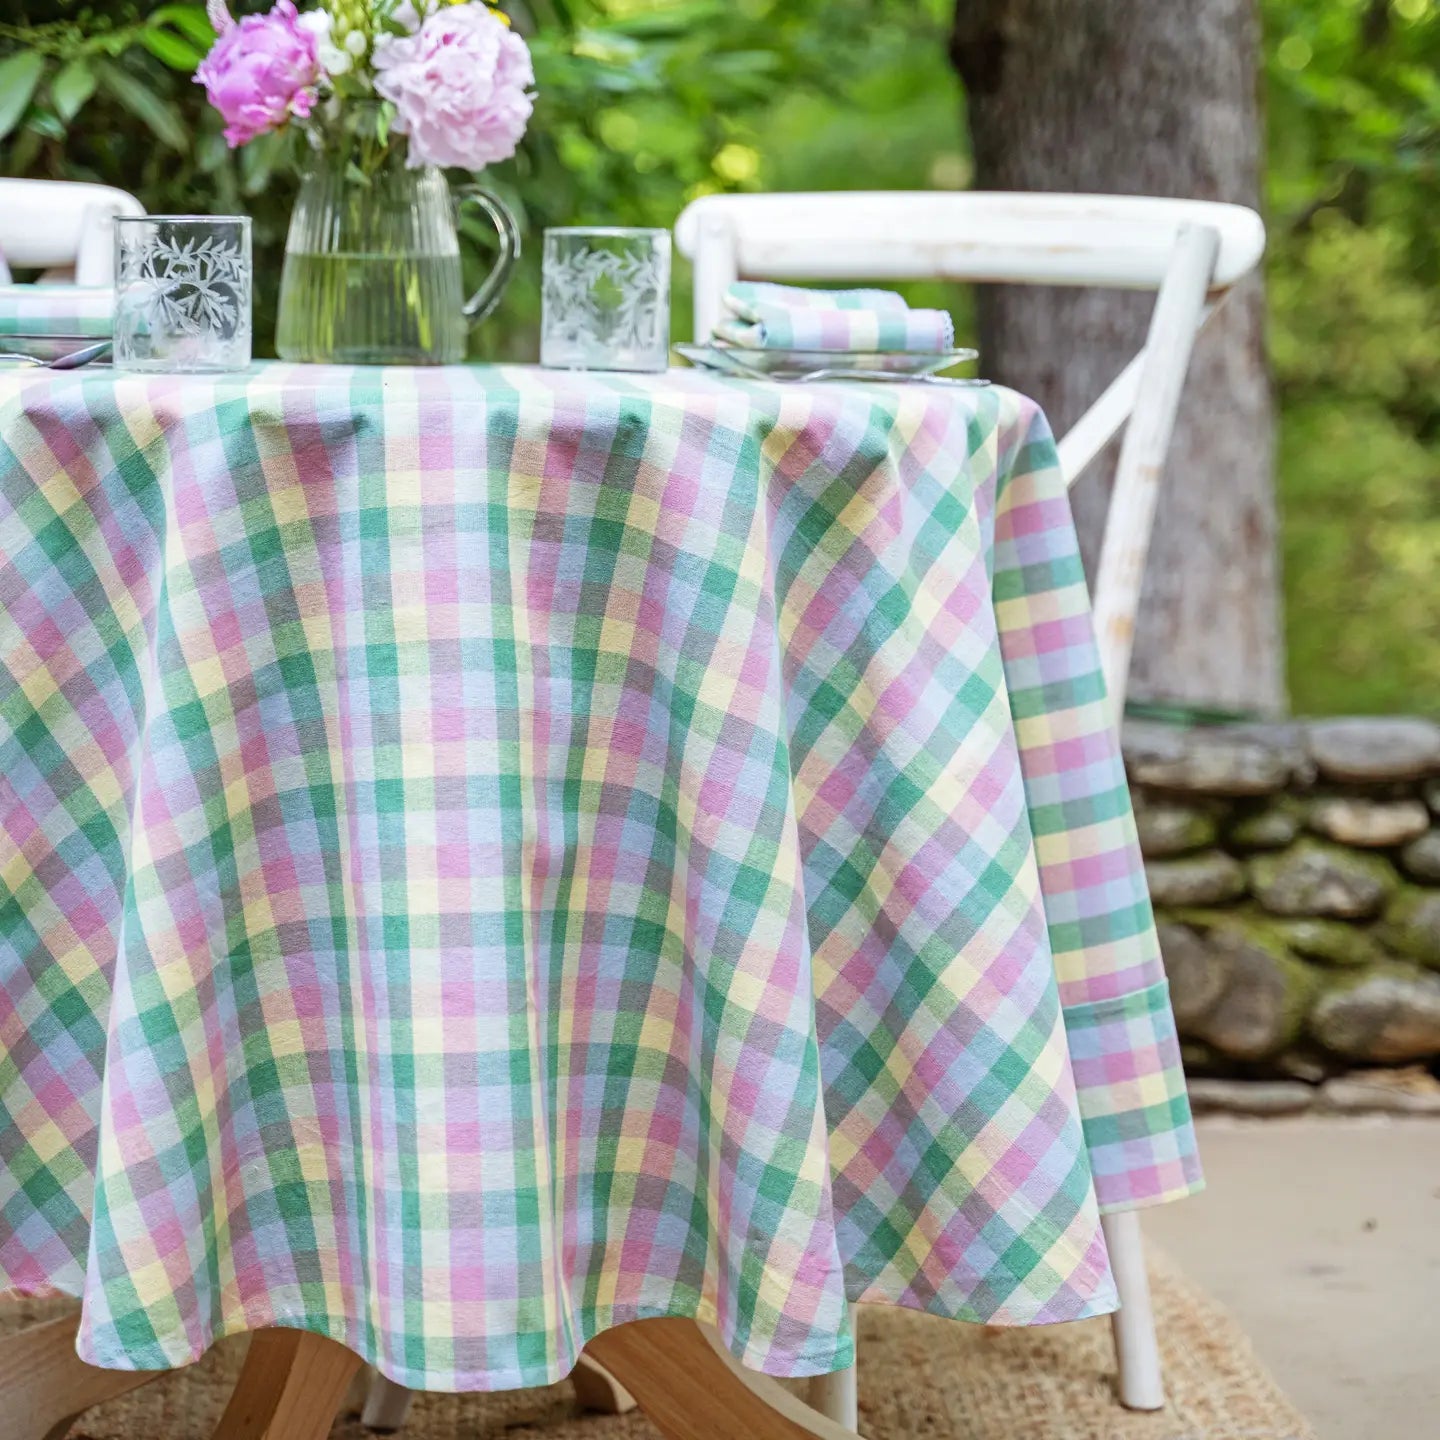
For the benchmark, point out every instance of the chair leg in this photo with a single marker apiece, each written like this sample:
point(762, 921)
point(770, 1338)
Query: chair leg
point(835, 1395)
point(359, 1391)
point(1137, 1355)
point(1179, 311)
point(387, 1406)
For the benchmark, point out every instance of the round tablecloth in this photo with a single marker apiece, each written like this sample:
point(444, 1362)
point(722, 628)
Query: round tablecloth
point(486, 855)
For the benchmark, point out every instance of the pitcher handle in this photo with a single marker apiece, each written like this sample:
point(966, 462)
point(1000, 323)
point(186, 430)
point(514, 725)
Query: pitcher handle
point(487, 297)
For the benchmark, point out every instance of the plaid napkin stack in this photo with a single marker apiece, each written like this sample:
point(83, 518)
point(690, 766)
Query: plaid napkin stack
point(48, 309)
point(762, 316)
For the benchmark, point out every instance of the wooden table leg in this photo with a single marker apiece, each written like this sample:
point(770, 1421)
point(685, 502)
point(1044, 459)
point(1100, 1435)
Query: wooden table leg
point(598, 1390)
point(290, 1389)
point(692, 1388)
point(45, 1385)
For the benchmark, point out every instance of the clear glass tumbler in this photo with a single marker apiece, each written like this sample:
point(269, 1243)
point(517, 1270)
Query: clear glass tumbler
point(182, 292)
point(606, 299)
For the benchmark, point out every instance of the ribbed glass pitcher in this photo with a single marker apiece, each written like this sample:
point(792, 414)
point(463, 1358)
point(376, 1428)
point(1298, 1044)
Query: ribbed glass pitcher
point(372, 262)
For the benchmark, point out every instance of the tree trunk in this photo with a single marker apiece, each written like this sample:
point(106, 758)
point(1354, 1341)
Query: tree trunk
point(1134, 97)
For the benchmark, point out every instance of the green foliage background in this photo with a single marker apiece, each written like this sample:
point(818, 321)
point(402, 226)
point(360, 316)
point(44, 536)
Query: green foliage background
point(645, 104)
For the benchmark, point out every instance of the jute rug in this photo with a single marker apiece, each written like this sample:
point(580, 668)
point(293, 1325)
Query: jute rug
point(920, 1379)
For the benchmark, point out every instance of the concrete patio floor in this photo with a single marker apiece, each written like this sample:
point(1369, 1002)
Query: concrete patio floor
point(1322, 1236)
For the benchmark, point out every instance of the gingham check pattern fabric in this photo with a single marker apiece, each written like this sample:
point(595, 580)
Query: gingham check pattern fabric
point(486, 855)
point(1123, 1045)
point(47, 309)
point(761, 315)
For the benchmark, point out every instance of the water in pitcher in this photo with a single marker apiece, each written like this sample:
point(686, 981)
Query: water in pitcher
point(372, 309)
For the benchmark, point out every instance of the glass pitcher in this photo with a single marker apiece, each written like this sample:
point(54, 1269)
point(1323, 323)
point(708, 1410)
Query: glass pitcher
point(372, 261)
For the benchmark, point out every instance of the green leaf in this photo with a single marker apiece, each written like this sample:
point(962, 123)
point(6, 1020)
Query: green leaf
point(190, 20)
point(159, 116)
point(24, 151)
point(164, 45)
point(674, 21)
point(44, 124)
point(211, 151)
point(71, 88)
point(258, 161)
point(19, 75)
point(112, 42)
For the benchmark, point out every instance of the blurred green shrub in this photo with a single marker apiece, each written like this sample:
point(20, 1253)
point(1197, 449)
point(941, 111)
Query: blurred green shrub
point(1357, 357)
point(1354, 277)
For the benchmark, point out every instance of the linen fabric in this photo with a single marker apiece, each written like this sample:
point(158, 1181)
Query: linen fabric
point(765, 316)
point(488, 854)
point(49, 309)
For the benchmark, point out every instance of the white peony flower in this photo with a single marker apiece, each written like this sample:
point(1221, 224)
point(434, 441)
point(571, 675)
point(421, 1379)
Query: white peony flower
point(317, 22)
point(334, 60)
point(460, 86)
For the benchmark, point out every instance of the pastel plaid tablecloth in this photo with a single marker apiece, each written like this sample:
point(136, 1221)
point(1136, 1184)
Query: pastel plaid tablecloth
point(46, 309)
point(487, 854)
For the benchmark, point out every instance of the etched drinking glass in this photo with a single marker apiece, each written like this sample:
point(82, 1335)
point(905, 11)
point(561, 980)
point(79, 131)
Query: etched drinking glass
point(605, 299)
point(182, 292)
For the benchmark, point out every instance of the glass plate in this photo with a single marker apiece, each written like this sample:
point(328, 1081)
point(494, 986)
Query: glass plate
point(793, 364)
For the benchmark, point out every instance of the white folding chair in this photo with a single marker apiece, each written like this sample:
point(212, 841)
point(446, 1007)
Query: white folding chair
point(1191, 252)
point(62, 228)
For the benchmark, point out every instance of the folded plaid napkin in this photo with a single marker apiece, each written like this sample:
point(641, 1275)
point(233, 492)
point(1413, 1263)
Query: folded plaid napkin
point(762, 316)
point(48, 309)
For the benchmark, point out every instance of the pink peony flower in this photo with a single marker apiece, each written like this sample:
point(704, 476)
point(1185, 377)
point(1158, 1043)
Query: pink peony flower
point(460, 87)
point(260, 72)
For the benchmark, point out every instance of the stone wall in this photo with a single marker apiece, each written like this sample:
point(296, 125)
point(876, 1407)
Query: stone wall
point(1295, 871)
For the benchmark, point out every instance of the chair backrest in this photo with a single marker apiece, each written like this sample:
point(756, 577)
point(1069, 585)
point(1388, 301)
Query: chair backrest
point(1190, 251)
point(1107, 240)
point(62, 228)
